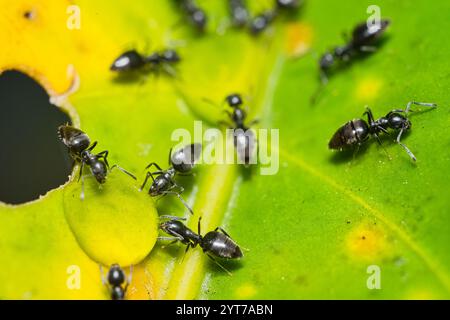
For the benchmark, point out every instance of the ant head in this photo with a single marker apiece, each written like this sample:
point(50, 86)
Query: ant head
point(258, 24)
point(170, 56)
point(100, 177)
point(199, 18)
point(339, 51)
point(287, 4)
point(85, 154)
point(326, 61)
point(170, 226)
point(154, 190)
point(234, 100)
point(398, 121)
point(240, 16)
point(116, 276)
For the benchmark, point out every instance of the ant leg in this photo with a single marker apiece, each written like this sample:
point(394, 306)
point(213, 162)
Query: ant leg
point(369, 114)
point(104, 156)
point(379, 142)
point(153, 164)
point(323, 82)
point(178, 194)
point(405, 147)
point(173, 239)
point(185, 252)
point(198, 225)
point(356, 151)
point(82, 180)
point(223, 231)
point(224, 123)
point(253, 122)
point(130, 275)
point(170, 70)
point(102, 275)
point(81, 171)
point(179, 197)
point(169, 217)
point(345, 36)
point(222, 267)
point(323, 77)
point(230, 115)
point(170, 157)
point(92, 146)
point(189, 174)
point(123, 170)
point(149, 174)
point(424, 104)
point(82, 188)
point(367, 49)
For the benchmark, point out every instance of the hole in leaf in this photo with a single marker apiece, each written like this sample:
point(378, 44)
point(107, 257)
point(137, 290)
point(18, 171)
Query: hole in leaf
point(32, 160)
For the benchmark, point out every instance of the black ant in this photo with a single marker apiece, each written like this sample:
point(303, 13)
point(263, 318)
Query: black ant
point(181, 162)
point(260, 22)
point(80, 149)
point(115, 280)
point(195, 14)
point(238, 12)
point(217, 243)
point(363, 38)
point(244, 138)
point(134, 61)
point(357, 131)
point(288, 4)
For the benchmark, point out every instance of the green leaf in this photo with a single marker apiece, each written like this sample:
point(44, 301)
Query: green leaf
point(312, 229)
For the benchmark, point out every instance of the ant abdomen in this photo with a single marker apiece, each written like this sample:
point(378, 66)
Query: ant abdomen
point(352, 133)
point(221, 246)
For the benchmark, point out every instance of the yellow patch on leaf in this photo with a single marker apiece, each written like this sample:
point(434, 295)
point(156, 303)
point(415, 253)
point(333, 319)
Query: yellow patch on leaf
point(298, 39)
point(245, 291)
point(368, 89)
point(367, 242)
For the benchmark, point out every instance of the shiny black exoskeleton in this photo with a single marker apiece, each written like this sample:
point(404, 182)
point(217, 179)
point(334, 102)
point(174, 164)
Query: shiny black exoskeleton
point(80, 149)
point(238, 12)
point(181, 161)
point(288, 4)
point(194, 13)
point(363, 38)
point(357, 131)
point(261, 22)
point(244, 138)
point(116, 282)
point(156, 62)
point(179, 231)
point(217, 243)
